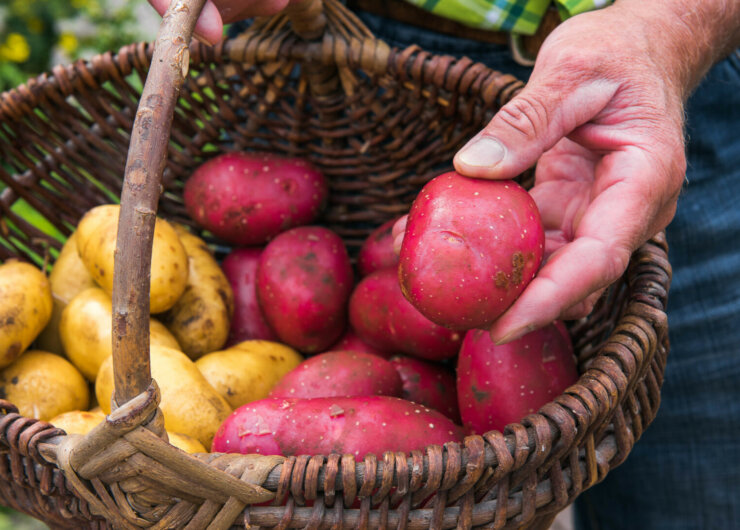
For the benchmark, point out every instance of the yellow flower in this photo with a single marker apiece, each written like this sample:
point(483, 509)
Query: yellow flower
point(68, 42)
point(15, 48)
point(78, 4)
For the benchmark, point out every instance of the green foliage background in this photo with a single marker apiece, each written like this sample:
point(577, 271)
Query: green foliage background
point(35, 35)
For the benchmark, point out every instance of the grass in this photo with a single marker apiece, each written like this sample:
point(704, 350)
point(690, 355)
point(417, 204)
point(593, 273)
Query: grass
point(12, 520)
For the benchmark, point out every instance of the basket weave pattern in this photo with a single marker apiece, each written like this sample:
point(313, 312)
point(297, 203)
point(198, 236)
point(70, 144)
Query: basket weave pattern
point(379, 122)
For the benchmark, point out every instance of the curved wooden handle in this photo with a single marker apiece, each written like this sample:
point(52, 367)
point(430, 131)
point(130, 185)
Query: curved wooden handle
point(142, 184)
point(146, 160)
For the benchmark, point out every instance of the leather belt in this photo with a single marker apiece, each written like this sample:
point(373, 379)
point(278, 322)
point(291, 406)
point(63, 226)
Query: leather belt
point(524, 48)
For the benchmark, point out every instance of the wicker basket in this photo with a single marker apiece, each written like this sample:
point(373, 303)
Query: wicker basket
point(380, 122)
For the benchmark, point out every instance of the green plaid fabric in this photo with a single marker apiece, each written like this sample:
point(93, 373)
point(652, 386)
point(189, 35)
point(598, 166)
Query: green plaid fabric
point(516, 16)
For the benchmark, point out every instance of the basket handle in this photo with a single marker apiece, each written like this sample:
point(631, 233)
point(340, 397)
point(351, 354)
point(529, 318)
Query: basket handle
point(145, 164)
point(307, 18)
point(147, 156)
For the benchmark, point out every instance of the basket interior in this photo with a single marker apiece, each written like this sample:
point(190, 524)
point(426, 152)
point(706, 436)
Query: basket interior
point(64, 139)
point(376, 146)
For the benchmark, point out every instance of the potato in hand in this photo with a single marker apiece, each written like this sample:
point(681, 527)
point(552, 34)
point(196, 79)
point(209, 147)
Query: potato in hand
point(470, 248)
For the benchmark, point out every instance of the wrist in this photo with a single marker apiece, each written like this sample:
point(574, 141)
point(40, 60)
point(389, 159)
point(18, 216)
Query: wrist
point(686, 37)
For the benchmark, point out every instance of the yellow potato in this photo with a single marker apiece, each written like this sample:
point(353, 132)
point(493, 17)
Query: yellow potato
point(186, 443)
point(189, 404)
point(43, 385)
point(247, 371)
point(85, 329)
point(201, 318)
point(78, 421)
point(26, 308)
point(83, 421)
point(96, 243)
point(68, 278)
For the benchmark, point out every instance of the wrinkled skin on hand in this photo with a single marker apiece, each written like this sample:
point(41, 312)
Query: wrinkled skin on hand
point(216, 13)
point(604, 123)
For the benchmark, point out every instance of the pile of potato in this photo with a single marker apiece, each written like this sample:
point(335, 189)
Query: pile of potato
point(68, 317)
point(228, 339)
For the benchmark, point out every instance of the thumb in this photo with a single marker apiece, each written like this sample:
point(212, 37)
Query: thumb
point(528, 125)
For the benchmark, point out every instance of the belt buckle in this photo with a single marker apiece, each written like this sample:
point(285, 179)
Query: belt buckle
point(524, 48)
point(520, 55)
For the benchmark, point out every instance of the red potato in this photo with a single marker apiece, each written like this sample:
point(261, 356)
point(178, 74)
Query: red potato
point(377, 251)
point(304, 279)
point(249, 198)
point(355, 425)
point(470, 248)
point(252, 427)
point(414, 334)
point(351, 342)
point(248, 323)
point(340, 374)
point(370, 308)
point(498, 385)
point(428, 384)
point(382, 317)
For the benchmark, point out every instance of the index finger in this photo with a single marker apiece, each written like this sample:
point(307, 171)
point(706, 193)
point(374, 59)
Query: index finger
point(209, 27)
point(624, 215)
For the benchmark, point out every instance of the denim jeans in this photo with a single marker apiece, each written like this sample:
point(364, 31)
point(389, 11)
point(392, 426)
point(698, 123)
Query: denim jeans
point(684, 473)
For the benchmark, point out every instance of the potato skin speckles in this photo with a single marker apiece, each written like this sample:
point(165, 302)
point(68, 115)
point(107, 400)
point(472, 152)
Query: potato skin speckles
point(341, 374)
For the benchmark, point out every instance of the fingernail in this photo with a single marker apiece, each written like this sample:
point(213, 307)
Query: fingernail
point(397, 242)
point(514, 335)
point(482, 151)
point(201, 39)
point(399, 227)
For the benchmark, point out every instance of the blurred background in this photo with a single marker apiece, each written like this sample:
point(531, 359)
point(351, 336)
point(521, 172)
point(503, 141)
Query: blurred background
point(36, 35)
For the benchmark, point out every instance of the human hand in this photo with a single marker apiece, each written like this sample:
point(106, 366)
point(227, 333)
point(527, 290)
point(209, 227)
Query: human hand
point(216, 13)
point(602, 115)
